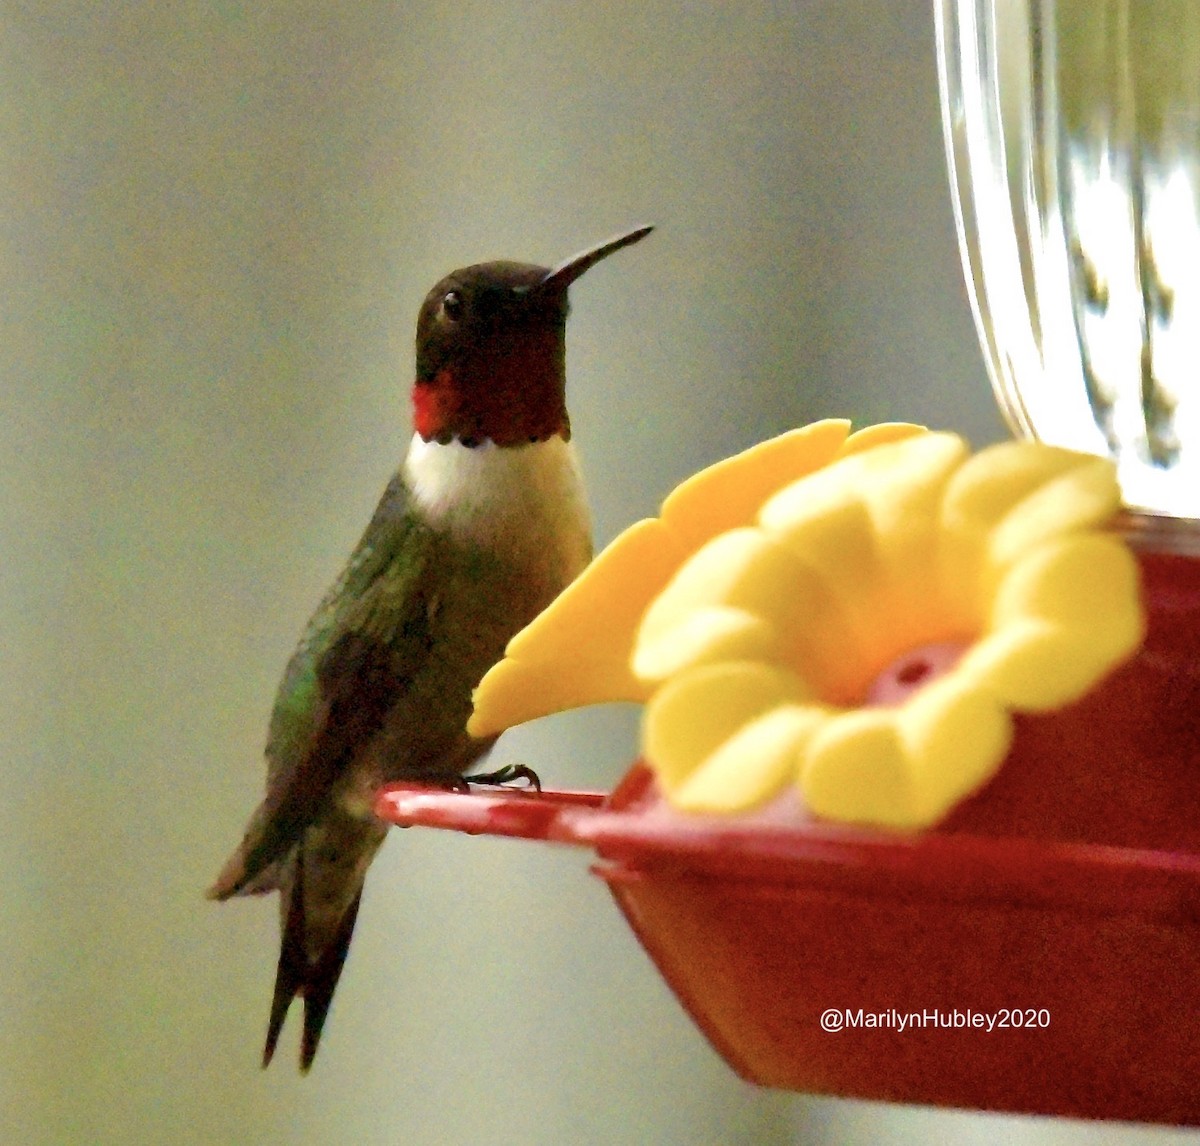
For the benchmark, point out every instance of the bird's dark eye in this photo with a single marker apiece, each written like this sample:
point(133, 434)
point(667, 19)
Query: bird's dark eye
point(453, 305)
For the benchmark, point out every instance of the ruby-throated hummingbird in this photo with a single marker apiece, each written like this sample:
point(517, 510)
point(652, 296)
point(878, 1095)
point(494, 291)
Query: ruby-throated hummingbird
point(485, 522)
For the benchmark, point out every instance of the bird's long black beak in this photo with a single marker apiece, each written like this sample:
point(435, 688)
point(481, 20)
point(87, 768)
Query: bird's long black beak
point(562, 276)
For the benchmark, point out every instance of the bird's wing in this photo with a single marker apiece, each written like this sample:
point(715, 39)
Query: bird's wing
point(361, 647)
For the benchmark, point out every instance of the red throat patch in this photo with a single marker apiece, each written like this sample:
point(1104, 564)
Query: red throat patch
point(431, 401)
point(506, 415)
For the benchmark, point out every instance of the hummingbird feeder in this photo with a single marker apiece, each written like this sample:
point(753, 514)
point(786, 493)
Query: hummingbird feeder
point(983, 890)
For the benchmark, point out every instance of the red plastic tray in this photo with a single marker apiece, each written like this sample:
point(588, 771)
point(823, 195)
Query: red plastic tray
point(1060, 905)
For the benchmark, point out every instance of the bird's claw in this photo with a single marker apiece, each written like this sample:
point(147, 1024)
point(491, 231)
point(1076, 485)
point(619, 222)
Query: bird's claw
point(509, 774)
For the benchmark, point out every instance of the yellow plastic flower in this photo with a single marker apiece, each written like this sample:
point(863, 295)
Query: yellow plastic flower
point(869, 634)
point(577, 652)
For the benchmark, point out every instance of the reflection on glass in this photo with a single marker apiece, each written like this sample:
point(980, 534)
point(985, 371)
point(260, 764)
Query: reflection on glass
point(1073, 138)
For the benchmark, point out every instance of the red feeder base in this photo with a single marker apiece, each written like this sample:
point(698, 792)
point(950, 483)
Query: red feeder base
point(1039, 951)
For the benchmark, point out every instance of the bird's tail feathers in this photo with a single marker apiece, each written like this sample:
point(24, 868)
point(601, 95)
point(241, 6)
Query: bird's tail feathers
point(296, 975)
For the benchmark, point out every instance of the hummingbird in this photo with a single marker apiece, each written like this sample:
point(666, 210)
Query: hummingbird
point(484, 523)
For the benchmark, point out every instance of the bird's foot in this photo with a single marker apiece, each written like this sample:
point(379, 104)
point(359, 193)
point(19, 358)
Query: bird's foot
point(509, 774)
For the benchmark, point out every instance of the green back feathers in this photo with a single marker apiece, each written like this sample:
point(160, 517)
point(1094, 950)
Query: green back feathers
point(368, 598)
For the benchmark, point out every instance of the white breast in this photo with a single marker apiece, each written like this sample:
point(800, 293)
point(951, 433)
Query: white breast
point(525, 500)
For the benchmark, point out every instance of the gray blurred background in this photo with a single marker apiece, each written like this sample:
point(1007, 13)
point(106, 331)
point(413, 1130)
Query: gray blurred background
point(216, 224)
